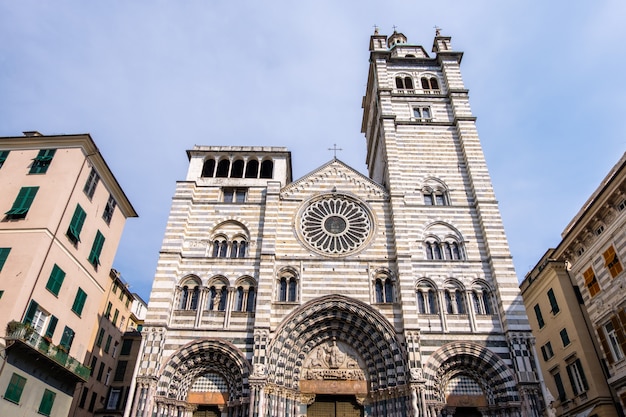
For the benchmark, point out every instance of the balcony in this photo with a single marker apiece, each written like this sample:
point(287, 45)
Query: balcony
point(24, 336)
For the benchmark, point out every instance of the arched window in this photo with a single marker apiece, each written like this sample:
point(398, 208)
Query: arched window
point(239, 301)
point(383, 287)
point(287, 287)
point(481, 298)
point(267, 169)
point(436, 250)
point(404, 83)
point(222, 168)
point(208, 169)
point(426, 298)
point(436, 197)
point(252, 168)
point(282, 291)
point(292, 296)
point(220, 247)
point(237, 169)
point(217, 297)
point(429, 84)
point(251, 300)
point(184, 296)
point(188, 297)
point(455, 301)
point(238, 248)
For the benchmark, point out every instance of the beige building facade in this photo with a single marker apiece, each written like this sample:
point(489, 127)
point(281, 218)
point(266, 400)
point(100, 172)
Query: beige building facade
point(586, 276)
point(339, 294)
point(63, 213)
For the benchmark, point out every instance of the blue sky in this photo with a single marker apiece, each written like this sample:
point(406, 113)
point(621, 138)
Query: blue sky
point(149, 79)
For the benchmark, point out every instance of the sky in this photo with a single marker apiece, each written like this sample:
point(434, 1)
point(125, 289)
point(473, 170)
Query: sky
point(151, 79)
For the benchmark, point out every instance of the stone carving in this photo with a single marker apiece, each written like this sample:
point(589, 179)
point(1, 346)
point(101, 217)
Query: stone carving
point(416, 374)
point(332, 361)
point(259, 369)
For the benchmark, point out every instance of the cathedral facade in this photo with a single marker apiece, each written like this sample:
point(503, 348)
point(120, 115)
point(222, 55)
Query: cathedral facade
point(340, 294)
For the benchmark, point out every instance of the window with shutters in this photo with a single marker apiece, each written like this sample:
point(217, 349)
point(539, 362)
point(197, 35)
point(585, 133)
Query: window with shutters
point(107, 215)
point(22, 203)
point(96, 250)
point(560, 388)
point(613, 338)
point(3, 157)
point(67, 338)
point(92, 183)
point(107, 345)
point(612, 262)
point(100, 337)
point(120, 371)
point(42, 161)
point(564, 337)
point(547, 352)
point(55, 280)
point(553, 304)
point(76, 225)
point(79, 301)
point(47, 401)
point(127, 345)
point(4, 254)
point(577, 377)
point(591, 282)
point(539, 316)
point(15, 388)
point(40, 320)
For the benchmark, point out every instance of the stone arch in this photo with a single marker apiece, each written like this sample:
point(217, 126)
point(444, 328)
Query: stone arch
point(198, 358)
point(350, 321)
point(484, 366)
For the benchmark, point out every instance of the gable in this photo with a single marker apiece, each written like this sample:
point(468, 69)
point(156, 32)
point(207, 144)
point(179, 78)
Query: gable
point(334, 176)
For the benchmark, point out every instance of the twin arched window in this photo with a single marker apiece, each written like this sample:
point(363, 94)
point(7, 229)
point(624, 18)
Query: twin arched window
point(481, 298)
point(404, 83)
point(427, 299)
point(429, 84)
point(288, 288)
point(239, 168)
point(222, 248)
point(435, 197)
point(215, 298)
point(454, 298)
point(189, 295)
point(448, 250)
point(383, 287)
point(455, 301)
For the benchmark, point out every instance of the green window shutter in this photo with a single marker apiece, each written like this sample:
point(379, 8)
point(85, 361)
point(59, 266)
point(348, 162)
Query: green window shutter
point(553, 304)
point(96, 249)
point(76, 225)
point(30, 313)
point(45, 407)
point(15, 388)
point(52, 325)
point(42, 161)
point(22, 203)
point(4, 254)
point(56, 280)
point(79, 301)
point(107, 345)
point(100, 337)
point(67, 338)
point(3, 157)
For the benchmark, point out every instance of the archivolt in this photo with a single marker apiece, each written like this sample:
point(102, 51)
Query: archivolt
point(347, 320)
point(483, 365)
point(198, 358)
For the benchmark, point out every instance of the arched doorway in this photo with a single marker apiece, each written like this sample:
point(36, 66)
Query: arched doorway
point(207, 411)
point(335, 406)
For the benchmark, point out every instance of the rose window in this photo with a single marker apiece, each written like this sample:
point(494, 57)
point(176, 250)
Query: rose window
point(335, 225)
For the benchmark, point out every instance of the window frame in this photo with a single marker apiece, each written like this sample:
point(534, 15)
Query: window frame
point(68, 338)
point(591, 282)
point(612, 261)
point(547, 352)
point(554, 305)
point(577, 377)
point(234, 195)
point(4, 255)
point(565, 337)
point(22, 203)
point(47, 402)
point(42, 161)
point(55, 281)
point(109, 209)
point(76, 224)
point(92, 183)
point(96, 249)
point(3, 157)
point(15, 388)
point(539, 316)
point(79, 301)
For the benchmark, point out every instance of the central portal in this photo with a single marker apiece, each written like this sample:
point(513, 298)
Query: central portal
point(335, 406)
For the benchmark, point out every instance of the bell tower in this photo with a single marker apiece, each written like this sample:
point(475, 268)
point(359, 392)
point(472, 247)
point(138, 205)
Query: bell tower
point(423, 147)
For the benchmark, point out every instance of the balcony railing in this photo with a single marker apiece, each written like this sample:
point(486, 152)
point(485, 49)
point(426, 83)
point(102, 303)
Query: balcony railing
point(27, 336)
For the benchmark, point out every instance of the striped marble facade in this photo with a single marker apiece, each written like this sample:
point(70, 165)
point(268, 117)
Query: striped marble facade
point(424, 318)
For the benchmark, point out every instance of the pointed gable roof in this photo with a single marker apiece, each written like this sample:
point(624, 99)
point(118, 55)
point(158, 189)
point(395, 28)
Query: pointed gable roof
point(332, 174)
